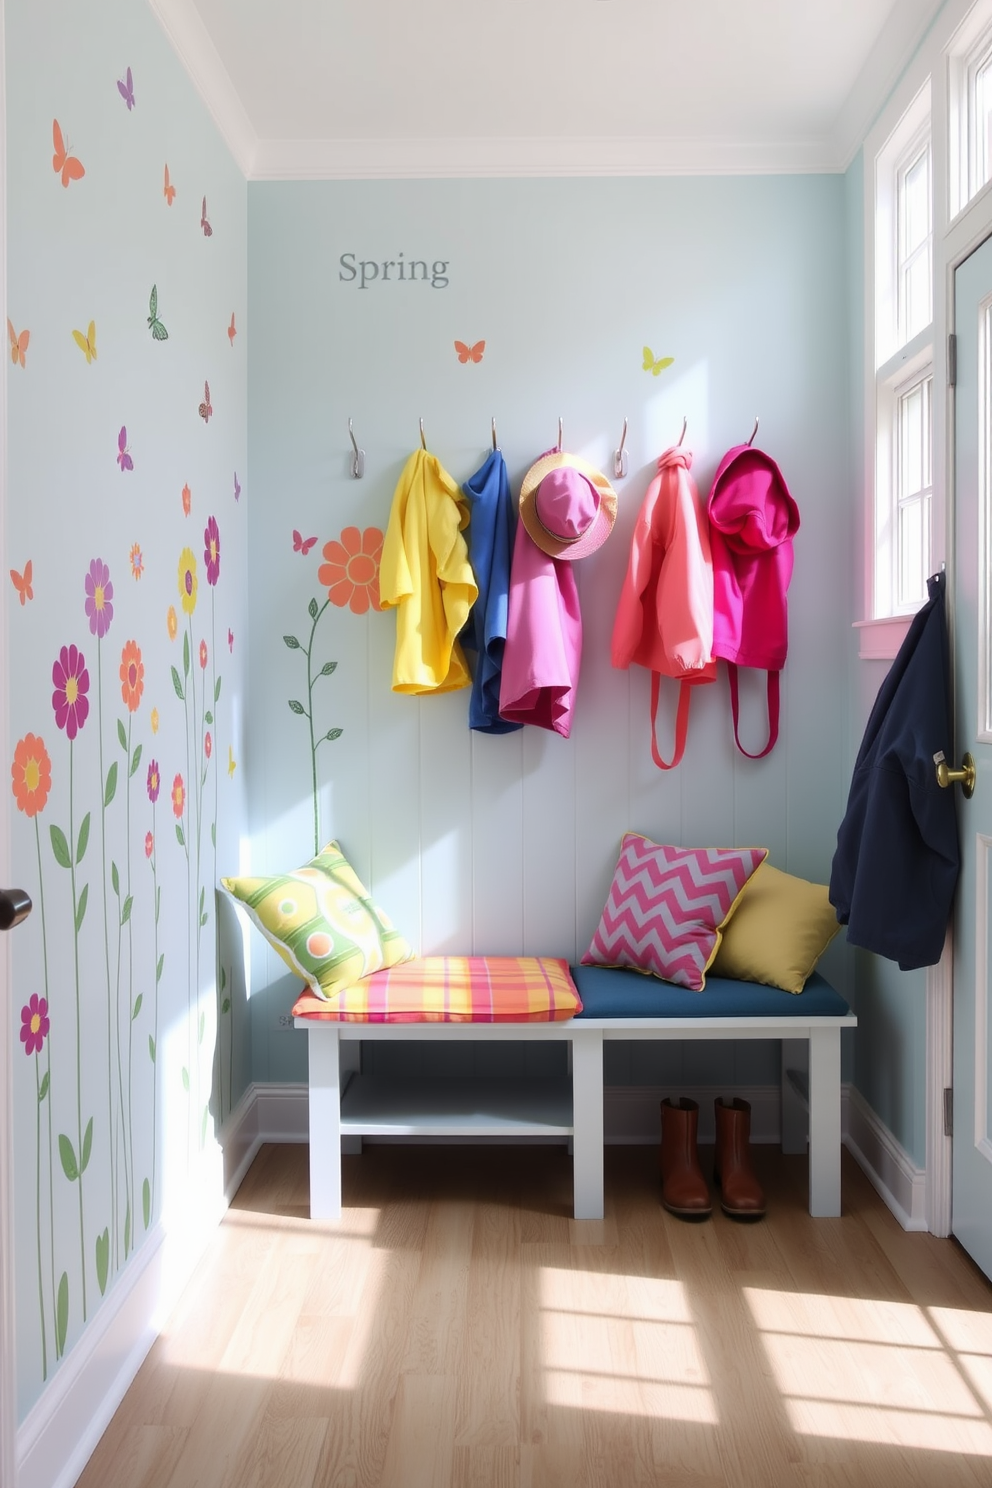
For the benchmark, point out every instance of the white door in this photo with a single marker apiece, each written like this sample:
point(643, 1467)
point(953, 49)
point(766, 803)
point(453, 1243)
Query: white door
point(971, 620)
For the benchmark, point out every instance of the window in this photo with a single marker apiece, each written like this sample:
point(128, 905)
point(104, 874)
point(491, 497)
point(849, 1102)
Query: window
point(970, 99)
point(904, 271)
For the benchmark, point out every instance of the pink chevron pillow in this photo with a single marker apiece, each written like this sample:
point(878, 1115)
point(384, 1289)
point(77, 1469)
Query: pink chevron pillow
point(667, 906)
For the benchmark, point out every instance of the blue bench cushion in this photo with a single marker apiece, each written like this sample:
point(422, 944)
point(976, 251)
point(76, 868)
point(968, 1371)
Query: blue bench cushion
point(612, 992)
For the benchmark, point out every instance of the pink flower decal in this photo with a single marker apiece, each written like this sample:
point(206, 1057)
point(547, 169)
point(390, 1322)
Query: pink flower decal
point(203, 656)
point(208, 745)
point(149, 844)
point(154, 781)
point(72, 683)
point(178, 796)
point(34, 1024)
point(211, 550)
point(99, 594)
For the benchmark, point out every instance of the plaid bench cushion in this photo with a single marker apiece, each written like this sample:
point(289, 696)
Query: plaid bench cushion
point(454, 989)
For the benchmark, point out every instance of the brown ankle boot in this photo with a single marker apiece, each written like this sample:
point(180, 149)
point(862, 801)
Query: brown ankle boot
point(741, 1195)
point(683, 1187)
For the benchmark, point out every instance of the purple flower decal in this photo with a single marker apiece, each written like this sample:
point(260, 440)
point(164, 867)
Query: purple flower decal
point(99, 594)
point(34, 1024)
point(154, 781)
point(72, 683)
point(211, 550)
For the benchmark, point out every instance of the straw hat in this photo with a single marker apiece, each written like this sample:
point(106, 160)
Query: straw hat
point(567, 506)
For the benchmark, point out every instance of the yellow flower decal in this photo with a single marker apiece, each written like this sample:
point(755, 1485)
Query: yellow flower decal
point(172, 622)
point(154, 720)
point(187, 580)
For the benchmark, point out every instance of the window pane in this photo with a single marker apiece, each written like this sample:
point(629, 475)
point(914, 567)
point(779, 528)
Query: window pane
point(916, 296)
point(916, 186)
point(983, 125)
point(911, 554)
point(913, 493)
point(911, 463)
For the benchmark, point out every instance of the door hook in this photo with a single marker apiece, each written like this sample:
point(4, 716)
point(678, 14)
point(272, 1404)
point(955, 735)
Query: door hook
point(620, 456)
point(358, 463)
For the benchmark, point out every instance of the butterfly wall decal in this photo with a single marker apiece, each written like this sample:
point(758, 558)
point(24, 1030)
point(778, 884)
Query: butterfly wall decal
point(654, 367)
point(470, 353)
point(206, 407)
point(207, 229)
point(237, 487)
point(159, 333)
point(87, 343)
point(70, 167)
point(18, 344)
point(232, 330)
point(125, 87)
point(302, 544)
point(22, 582)
point(123, 453)
point(168, 191)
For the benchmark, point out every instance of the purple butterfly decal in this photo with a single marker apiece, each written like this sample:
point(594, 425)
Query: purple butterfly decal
point(237, 487)
point(123, 453)
point(125, 87)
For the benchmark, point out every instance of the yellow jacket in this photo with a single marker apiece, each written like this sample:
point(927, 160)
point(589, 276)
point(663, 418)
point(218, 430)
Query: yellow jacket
point(426, 575)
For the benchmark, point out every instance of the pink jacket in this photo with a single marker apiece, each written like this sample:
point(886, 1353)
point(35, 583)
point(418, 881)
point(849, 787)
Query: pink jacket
point(753, 520)
point(543, 648)
point(664, 619)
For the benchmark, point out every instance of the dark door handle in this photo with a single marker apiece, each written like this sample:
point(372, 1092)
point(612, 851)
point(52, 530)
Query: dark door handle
point(15, 906)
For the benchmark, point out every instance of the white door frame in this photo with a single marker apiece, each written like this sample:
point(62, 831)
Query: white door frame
point(8, 1391)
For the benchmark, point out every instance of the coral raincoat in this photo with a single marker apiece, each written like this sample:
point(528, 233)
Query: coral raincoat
point(664, 619)
point(425, 574)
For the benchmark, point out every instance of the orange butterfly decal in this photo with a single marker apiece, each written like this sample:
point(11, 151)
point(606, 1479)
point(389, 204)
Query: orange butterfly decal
point(302, 544)
point(169, 191)
point(206, 408)
point(232, 330)
point(22, 582)
point(71, 168)
point(18, 344)
point(470, 353)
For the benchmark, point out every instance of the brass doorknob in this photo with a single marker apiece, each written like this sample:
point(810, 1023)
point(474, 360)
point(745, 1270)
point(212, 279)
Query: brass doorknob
point(966, 775)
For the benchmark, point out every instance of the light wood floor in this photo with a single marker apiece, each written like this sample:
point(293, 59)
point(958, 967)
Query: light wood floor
point(458, 1328)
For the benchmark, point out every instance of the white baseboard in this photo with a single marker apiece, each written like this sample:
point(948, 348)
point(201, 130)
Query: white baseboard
point(887, 1164)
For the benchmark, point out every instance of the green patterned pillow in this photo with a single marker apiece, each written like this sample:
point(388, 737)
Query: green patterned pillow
point(322, 922)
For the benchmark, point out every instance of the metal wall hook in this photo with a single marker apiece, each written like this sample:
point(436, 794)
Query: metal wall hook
point(685, 425)
point(358, 463)
point(559, 436)
point(495, 444)
point(423, 441)
point(754, 430)
point(620, 456)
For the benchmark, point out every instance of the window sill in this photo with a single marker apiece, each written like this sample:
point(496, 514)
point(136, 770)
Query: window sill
point(880, 639)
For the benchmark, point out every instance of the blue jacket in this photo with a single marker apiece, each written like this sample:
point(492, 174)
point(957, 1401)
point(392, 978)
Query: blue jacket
point(490, 542)
point(897, 859)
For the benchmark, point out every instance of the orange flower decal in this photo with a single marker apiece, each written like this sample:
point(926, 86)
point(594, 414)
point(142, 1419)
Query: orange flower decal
point(351, 573)
point(178, 796)
point(31, 775)
point(132, 676)
point(172, 621)
point(187, 494)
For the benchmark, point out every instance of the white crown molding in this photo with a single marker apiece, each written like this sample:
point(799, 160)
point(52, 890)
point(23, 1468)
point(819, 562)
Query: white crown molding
point(480, 157)
point(898, 41)
point(190, 40)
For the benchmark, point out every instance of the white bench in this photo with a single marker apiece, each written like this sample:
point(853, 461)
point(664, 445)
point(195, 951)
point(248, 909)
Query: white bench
point(346, 1105)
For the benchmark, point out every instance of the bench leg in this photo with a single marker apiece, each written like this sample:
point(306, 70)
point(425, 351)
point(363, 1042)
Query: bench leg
point(325, 1122)
point(824, 1122)
point(587, 1122)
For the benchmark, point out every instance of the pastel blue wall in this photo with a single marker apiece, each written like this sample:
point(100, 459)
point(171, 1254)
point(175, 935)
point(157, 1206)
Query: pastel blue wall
point(143, 1035)
point(508, 844)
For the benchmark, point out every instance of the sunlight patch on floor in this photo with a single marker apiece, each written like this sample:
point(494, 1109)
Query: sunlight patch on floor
point(865, 1370)
point(622, 1345)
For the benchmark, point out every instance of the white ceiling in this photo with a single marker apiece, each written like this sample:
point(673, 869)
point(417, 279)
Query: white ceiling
point(534, 87)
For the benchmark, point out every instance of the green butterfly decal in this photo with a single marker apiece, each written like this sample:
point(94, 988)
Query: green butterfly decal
point(652, 366)
point(159, 333)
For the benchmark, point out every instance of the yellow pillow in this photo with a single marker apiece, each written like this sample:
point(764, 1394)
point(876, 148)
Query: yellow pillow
point(322, 922)
point(778, 932)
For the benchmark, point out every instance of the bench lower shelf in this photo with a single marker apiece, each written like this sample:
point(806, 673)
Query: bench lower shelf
point(385, 1107)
